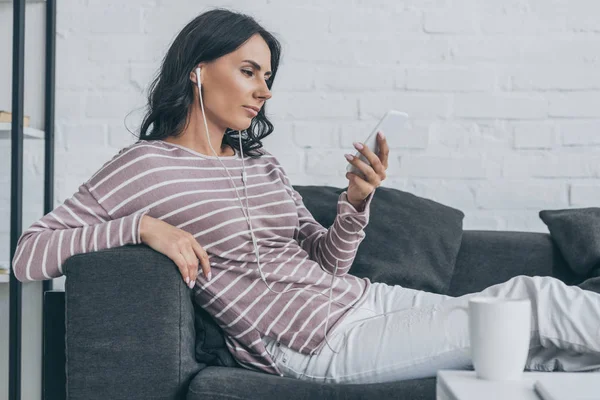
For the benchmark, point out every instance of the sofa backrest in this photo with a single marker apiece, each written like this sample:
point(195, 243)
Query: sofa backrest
point(490, 257)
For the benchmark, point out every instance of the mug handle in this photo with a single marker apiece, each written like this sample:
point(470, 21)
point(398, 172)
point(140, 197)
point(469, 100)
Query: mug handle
point(444, 313)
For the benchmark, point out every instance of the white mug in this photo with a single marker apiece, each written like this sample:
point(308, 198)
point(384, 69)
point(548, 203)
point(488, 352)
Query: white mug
point(499, 333)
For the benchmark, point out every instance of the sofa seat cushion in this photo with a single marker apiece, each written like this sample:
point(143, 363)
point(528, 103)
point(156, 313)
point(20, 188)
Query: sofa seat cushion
point(237, 383)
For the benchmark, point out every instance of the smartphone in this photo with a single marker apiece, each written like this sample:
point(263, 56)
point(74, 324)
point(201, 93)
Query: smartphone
point(391, 124)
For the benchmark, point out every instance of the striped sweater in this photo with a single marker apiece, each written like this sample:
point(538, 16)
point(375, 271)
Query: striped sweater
point(193, 192)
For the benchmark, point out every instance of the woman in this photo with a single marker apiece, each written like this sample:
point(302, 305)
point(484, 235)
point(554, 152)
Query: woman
point(273, 278)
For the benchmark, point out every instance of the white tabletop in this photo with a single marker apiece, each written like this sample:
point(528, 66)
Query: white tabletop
point(464, 385)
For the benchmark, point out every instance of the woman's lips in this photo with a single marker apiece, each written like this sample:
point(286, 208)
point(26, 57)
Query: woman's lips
point(254, 113)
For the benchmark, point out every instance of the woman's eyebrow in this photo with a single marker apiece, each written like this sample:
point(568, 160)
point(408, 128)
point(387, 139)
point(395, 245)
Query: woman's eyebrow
point(257, 66)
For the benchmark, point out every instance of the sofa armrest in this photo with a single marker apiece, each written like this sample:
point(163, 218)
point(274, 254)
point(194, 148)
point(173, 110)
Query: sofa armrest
point(486, 258)
point(129, 326)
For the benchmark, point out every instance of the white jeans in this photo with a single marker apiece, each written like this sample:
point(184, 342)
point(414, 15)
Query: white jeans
point(422, 338)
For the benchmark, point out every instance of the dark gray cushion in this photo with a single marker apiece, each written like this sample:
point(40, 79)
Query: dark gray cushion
point(576, 232)
point(210, 341)
point(592, 283)
point(218, 383)
point(410, 241)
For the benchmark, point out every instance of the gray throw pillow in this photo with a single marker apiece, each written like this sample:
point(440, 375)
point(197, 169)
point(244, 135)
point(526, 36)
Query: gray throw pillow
point(576, 232)
point(410, 241)
point(210, 341)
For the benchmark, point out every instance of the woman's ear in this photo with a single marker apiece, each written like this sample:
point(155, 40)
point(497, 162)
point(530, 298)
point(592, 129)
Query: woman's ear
point(193, 76)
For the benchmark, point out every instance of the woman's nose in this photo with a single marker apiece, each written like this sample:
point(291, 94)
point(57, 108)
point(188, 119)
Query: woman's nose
point(265, 92)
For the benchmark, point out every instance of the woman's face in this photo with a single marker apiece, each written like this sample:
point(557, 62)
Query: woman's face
point(230, 83)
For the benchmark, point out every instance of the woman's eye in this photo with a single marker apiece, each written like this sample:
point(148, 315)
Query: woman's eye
point(250, 73)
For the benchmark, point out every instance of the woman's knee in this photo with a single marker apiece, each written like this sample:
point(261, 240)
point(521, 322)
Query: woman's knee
point(533, 281)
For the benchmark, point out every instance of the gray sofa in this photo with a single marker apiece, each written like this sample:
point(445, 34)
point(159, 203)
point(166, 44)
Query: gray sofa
point(133, 332)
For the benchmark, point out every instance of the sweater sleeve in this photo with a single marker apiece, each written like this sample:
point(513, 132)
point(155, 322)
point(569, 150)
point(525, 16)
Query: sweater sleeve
point(79, 225)
point(336, 245)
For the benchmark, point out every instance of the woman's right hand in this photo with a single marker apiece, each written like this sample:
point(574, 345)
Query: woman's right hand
point(177, 244)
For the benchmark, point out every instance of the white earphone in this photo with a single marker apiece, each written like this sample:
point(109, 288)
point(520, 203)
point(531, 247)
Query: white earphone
point(198, 70)
point(247, 215)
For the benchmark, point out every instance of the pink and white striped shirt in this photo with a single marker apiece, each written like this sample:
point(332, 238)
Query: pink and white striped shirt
point(193, 192)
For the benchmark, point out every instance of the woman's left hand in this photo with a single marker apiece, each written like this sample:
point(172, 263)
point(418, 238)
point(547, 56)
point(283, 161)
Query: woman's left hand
point(359, 189)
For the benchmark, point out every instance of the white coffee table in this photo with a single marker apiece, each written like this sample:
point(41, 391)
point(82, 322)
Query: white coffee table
point(464, 385)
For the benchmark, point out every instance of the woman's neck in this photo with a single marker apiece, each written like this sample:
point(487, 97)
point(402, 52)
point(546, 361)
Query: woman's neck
point(202, 148)
point(194, 137)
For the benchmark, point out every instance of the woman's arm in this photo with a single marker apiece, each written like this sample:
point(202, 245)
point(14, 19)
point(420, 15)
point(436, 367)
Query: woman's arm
point(338, 244)
point(79, 225)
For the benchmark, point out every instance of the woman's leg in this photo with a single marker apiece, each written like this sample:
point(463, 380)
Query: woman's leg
point(423, 337)
point(372, 347)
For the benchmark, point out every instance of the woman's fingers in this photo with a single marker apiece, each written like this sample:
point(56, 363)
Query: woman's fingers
point(203, 257)
point(364, 186)
point(370, 175)
point(192, 264)
point(384, 150)
point(373, 158)
point(177, 244)
point(182, 264)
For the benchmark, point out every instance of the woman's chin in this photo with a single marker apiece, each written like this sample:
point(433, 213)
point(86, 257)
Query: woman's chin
point(241, 125)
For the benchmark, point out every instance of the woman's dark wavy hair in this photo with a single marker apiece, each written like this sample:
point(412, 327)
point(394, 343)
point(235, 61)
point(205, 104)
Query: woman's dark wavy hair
point(207, 37)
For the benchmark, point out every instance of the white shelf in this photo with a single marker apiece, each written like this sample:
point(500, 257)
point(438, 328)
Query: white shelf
point(30, 133)
point(26, 1)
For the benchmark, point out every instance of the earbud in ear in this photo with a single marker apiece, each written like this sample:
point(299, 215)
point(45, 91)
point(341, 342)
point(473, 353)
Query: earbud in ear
point(198, 76)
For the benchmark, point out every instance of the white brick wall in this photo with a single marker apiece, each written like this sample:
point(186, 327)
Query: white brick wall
point(504, 95)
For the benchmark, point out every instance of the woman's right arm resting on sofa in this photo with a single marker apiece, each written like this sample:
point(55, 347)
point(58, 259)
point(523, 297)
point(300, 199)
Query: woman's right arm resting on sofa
point(79, 225)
